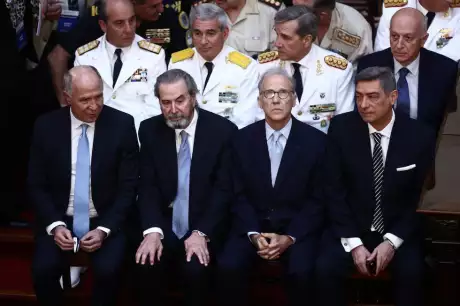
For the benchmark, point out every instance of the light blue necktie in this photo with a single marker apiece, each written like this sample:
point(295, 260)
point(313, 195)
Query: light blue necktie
point(403, 92)
point(276, 153)
point(81, 194)
point(180, 205)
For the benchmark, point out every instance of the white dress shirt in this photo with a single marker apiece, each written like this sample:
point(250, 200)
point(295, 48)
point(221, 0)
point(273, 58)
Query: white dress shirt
point(353, 242)
point(190, 130)
point(76, 133)
point(111, 52)
point(412, 82)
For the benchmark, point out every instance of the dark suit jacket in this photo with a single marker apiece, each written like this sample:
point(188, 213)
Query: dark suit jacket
point(293, 205)
point(114, 166)
point(436, 85)
point(210, 183)
point(349, 171)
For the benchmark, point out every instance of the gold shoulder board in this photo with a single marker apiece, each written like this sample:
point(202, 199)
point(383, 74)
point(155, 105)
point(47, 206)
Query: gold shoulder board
point(148, 46)
point(395, 3)
point(347, 38)
point(239, 59)
point(88, 47)
point(267, 57)
point(179, 56)
point(276, 4)
point(94, 11)
point(336, 62)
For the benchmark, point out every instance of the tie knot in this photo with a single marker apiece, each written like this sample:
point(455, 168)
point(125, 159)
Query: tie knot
point(276, 136)
point(209, 66)
point(296, 66)
point(118, 52)
point(403, 72)
point(377, 137)
point(84, 127)
point(183, 136)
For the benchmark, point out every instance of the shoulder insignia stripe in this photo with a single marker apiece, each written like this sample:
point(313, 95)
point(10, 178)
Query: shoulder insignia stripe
point(267, 57)
point(239, 59)
point(88, 47)
point(182, 55)
point(395, 3)
point(336, 62)
point(94, 11)
point(148, 46)
point(347, 38)
point(276, 4)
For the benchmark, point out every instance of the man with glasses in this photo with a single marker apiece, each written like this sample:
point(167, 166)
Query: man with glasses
point(277, 211)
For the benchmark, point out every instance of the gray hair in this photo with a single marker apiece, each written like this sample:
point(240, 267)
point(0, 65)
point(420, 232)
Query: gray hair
point(209, 11)
point(173, 76)
point(307, 22)
point(276, 71)
point(70, 75)
point(383, 74)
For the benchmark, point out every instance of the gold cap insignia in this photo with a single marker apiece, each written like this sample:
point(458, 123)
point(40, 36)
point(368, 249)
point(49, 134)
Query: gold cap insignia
point(88, 47)
point(239, 59)
point(395, 3)
point(182, 55)
point(148, 46)
point(336, 62)
point(347, 38)
point(267, 57)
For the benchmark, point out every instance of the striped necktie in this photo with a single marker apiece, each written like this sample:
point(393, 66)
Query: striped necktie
point(377, 161)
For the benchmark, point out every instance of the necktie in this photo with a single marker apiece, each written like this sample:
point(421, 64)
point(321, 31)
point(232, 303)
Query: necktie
point(209, 66)
point(298, 80)
point(81, 194)
point(430, 17)
point(377, 162)
point(276, 153)
point(180, 205)
point(117, 67)
point(403, 92)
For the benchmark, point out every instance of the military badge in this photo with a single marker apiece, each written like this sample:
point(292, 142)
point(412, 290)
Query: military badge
point(323, 123)
point(158, 36)
point(140, 75)
point(336, 62)
point(88, 47)
point(148, 46)
point(228, 97)
point(184, 21)
point(319, 68)
point(188, 38)
point(267, 57)
point(322, 95)
point(395, 3)
point(446, 36)
point(347, 38)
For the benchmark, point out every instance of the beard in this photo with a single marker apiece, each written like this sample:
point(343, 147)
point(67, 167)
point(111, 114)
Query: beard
point(177, 122)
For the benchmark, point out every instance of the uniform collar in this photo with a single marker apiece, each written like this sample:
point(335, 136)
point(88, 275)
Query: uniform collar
point(111, 48)
point(218, 59)
point(310, 56)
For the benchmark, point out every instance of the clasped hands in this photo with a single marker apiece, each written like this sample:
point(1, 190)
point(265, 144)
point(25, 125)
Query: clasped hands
point(271, 246)
point(90, 242)
point(381, 256)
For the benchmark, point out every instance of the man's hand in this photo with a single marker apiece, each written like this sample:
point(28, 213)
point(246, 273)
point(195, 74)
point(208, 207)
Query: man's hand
point(259, 242)
point(196, 244)
point(277, 246)
point(92, 241)
point(52, 9)
point(63, 238)
point(384, 253)
point(361, 258)
point(150, 248)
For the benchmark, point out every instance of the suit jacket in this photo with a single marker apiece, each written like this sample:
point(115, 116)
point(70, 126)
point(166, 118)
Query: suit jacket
point(210, 183)
point(293, 205)
point(436, 84)
point(114, 166)
point(349, 175)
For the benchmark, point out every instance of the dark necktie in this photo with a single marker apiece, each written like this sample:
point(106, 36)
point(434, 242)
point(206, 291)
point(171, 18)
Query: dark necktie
point(117, 67)
point(377, 162)
point(403, 92)
point(430, 17)
point(209, 66)
point(298, 80)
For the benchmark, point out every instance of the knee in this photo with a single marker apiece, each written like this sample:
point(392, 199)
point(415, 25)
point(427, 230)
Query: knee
point(325, 269)
point(46, 268)
point(106, 270)
point(412, 272)
point(194, 269)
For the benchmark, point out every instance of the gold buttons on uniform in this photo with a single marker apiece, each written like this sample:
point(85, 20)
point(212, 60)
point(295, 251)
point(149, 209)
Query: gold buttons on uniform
point(204, 101)
point(114, 96)
point(300, 113)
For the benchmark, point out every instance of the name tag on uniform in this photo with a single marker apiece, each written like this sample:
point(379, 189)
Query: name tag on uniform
point(21, 38)
point(67, 21)
point(228, 97)
point(322, 108)
point(140, 75)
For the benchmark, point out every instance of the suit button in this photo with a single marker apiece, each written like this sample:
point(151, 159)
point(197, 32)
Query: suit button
point(300, 113)
point(114, 96)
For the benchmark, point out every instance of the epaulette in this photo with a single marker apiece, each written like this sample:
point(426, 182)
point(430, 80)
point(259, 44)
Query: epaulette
point(394, 3)
point(88, 47)
point(276, 4)
point(239, 59)
point(151, 47)
point(267, 57)
point(347, 38)
point(455, 3)
point(179, 56)
point(94, 11)
point(336, 62)
point(198, 2)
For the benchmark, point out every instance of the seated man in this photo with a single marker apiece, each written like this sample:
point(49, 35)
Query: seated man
point(185, 190)
point(82, 177)
point(277, 213)
point(376, 164)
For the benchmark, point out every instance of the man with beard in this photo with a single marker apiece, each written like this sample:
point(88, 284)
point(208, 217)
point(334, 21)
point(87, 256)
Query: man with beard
point(184, 191)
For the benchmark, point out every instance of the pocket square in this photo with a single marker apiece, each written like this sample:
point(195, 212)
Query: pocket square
point(406, 168)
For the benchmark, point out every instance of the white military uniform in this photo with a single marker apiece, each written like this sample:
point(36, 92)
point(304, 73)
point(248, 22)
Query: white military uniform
point(231, 90)
point(133, 93)
point(349, 34)
point(444, 31)
point(328, 87)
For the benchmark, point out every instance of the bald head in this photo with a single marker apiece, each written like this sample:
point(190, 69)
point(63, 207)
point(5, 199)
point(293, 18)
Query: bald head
point(81, 76)
point(412, 18)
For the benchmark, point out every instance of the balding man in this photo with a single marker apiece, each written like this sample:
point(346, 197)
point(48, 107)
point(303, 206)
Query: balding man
point(443, 24)
point(82, 179)
point(426, 80)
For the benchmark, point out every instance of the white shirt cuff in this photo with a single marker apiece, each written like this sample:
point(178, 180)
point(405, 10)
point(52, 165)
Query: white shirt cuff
point(105, 230)
point(350, 243)
point(395, 240)
point(202, 235)
point(252, 233)
point(153, 230)
point(53, 225)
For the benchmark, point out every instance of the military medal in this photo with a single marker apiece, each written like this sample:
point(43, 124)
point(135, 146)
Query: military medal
point(323, 123)
point(446, 35)
point(158, 36)
point(316, 117)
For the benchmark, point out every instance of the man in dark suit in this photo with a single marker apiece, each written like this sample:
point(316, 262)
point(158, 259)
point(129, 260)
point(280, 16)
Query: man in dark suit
point(184, 192)
point(83, 173)
point(376, 164)
point(277, 211)
point(425, 79)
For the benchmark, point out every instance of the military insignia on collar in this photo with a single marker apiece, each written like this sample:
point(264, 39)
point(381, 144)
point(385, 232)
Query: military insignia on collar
point(319, 68)
point(188, 38)
point(446, 36)
point(276, 4)
point(267, 57)
point(336, 62)
point(148, 46)
point(184, 21)
point(395, 3)
point(347, 38)
point(455, 3)
point(239, 59)
point(182, 55)
point(88, 47)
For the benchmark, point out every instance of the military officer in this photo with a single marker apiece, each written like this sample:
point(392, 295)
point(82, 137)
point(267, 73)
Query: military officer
point(324, 79)
point(341, 29)
point(226, 79)
point(128, 64)
point(443, 18)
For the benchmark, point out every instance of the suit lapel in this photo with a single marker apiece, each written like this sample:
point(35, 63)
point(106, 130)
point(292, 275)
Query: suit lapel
point(363, 155)
point(423, 86)
point(289, 157)
point(64, 140)
point(391, 162)
point(202, 140)
point(169, 155)
point(101, 137)
point(261, 156)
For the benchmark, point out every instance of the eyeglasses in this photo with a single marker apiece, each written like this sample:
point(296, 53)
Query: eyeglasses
point(282, 94)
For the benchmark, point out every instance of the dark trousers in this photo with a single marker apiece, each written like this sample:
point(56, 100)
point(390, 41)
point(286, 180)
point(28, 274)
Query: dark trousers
point(50, 262)
point(192, 276)
point(234, 267)
point(334, 265)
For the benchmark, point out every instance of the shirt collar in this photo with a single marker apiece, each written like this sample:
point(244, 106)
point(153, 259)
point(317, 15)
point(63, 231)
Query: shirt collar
point(76, 123)
point(191, 128)
point(412, 67)
point(386, 130)
point(284, 131)
point(215, 61)
point(111, 48)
